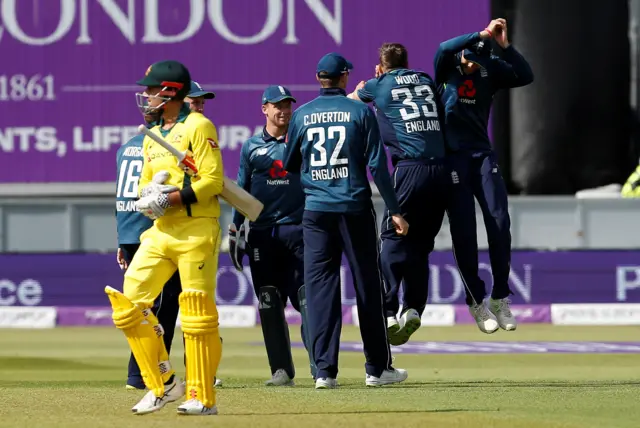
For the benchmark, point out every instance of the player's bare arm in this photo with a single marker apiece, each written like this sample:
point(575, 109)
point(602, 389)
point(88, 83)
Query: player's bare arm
point(501, 33)
point(354, 95)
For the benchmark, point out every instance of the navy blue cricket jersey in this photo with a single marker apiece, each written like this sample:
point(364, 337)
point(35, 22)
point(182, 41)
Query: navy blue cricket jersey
point(331, 141)
point(467, 98)
point(407, 111)
point(130, 222)
point(262, 174)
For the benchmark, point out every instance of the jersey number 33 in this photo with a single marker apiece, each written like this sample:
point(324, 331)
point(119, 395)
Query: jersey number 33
point(428, 105)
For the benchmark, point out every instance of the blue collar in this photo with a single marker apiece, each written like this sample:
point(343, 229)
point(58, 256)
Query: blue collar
point(266, 137)
point(332, 91)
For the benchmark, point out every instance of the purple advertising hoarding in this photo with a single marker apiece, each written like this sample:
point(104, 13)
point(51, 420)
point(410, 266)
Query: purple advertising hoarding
point(536, 278)
point(68, 88)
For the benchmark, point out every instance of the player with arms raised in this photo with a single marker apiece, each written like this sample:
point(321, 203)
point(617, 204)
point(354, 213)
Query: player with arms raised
point(408, 117)
point(332, 141)
point(468, 76)
point(185, 236)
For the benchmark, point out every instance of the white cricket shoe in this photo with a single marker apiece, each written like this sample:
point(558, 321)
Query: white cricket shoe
point(194, 407)
point(280, 378)
point(392, 326)
point(409, 323)
point(484, 319)
point(502, 311)
point(387, 377)
point(326, 383)
point(150, 403)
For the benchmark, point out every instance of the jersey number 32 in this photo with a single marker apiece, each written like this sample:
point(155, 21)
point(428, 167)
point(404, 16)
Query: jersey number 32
point(337, 134)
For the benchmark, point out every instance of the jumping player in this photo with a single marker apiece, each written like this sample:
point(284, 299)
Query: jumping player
point(468, 76)
point(276, 253)
point(331, 142)
point(185, 236)
point(131, 224)
point(408, 116)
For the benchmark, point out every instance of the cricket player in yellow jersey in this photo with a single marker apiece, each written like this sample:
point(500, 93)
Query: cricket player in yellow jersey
point(185, 236)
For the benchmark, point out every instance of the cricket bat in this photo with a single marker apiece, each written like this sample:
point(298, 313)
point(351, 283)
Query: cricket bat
point(235, 195)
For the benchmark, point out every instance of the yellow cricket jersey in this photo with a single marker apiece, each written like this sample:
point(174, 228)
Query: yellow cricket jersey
point(195, 133)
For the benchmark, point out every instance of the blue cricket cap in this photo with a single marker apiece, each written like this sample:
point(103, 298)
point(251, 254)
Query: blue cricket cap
point(276, 93)
point(196, 91)
point(481, 49)
point(333, 65)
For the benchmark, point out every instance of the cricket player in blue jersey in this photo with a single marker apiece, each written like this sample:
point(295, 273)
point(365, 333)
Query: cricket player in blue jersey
point(332, 141)
point(408, 117)
point(197, 97)
point(275, 244)
point(468, 76)
point(131, 224)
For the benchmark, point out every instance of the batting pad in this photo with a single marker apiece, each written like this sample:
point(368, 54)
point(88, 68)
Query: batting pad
point(275, 330)
point(203, 349)
point(144, 334)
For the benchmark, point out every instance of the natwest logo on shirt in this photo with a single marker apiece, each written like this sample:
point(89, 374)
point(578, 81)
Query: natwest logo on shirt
point(277, 174)
point(466, 92)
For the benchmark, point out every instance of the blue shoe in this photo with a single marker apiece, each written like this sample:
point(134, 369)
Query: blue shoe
point(135, 383)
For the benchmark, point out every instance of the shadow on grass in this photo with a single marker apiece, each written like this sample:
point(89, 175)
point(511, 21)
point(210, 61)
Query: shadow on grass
point(48, 364)
point(520, 384)
point(361, 412)
point(347, 387)
point(62, 384)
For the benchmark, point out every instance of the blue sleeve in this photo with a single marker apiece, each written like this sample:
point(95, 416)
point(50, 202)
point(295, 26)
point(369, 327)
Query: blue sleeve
point(377, 159)
point(368, 93)
point(292, 154)
point(512, 70)
point(244, 180)
point(443, 62)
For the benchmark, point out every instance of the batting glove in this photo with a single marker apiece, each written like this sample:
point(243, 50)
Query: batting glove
point(153, 205)
point(157, 185)
point(237, 246)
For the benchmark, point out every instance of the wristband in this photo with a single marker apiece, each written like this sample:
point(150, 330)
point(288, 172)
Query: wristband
point(489, 31)
point(163, 200)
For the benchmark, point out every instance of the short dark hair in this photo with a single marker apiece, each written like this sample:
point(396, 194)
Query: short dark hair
point(393, 55)
point(328, 82)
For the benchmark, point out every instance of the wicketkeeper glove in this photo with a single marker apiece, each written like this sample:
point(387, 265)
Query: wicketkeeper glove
point(153, 205)
point(237, 245)
point(157, 185)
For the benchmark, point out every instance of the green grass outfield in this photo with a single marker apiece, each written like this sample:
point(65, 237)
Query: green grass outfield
point(74, 377)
